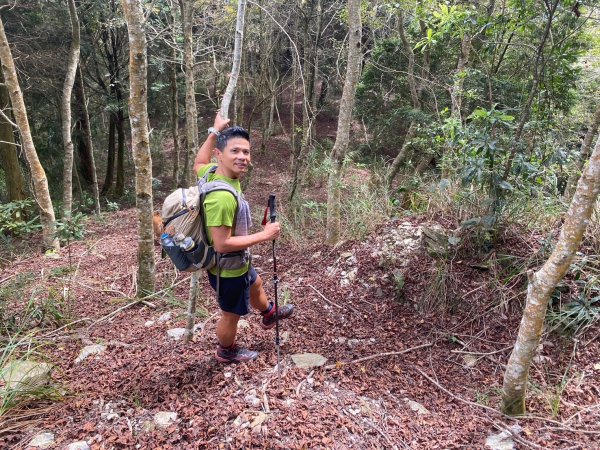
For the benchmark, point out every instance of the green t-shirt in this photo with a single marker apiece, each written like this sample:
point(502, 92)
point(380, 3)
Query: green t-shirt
point(219, 210)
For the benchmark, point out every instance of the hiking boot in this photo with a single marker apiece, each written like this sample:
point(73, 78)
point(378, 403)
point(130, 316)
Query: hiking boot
point(268, 320)
point(234, 354)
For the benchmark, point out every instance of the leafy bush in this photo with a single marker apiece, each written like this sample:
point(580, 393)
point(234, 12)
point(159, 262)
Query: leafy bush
point(15, 218)
point(72, 228)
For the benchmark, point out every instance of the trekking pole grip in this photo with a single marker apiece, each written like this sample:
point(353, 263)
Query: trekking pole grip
point(272, 208)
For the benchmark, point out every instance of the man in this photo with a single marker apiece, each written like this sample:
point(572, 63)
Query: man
point(239, 286)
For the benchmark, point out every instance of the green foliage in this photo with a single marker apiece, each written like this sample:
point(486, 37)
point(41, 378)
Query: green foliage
point(71, 229)
point(15, 218)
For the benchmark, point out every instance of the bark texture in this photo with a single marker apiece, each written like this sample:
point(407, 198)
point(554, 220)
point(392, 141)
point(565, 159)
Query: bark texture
point(72, 63)
point(344, 120)
point(38, 175)
point(543, 283)
point(140, 142)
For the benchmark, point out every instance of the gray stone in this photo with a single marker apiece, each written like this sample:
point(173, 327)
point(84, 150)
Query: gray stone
point(42, 440)
point(308, 360)
point(25, 374)
point(80, 445)
point(149, 323)
point(243, 323)
point(503, 440)
point(164, 419)
point(89, 350)
point(416, 407)
point(176, 333)
point(165, 317)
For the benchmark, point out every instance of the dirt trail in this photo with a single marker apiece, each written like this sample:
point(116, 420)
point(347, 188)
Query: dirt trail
point(348, 308)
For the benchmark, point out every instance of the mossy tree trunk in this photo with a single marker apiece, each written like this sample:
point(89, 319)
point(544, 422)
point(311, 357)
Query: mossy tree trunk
point(344, 120)
point(542, 284)
point(38, 175)
point(140, 143)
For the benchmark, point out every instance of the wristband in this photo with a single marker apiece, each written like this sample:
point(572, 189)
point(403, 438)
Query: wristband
point(213, 130)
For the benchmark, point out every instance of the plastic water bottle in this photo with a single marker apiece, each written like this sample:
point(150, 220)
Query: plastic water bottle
point(166, 240)
point(187, 244)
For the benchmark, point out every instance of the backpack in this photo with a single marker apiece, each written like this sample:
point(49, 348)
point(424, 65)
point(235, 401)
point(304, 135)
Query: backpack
point(183, 216)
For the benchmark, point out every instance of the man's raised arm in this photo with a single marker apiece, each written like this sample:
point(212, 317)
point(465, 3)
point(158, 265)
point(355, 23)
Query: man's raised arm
point(206, 151)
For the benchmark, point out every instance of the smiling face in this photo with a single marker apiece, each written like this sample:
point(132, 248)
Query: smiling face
point(234, 159)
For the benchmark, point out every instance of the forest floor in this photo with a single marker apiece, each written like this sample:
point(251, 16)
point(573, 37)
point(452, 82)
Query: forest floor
point(442, 392)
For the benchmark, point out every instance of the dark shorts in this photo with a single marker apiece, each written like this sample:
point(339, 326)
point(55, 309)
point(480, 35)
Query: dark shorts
point(234, 293)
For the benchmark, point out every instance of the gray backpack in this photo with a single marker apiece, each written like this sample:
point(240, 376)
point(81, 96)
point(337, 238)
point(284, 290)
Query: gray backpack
point(183, 216)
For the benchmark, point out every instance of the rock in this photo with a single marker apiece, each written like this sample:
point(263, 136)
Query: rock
point(379, 292)
point(353, 342)
point(25, 374)
point(243, 323)
point(503, 440)
point(470, 360)
point(341, 340)
point(176, 333)
point(252, 400)
point(89, 350)
point(164, 418)
point(416, 407)
point(344, 282)
point(346, 255)
point(80, 445)
point(165, 317)
point(308, 360)
point(42, 440)
point(149, 323)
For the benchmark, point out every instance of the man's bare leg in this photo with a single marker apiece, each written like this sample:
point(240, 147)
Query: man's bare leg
point(258, 297)
point(227, 328)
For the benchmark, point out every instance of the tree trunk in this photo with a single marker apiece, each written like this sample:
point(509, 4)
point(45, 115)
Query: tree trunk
point(38, 175)
point(456, 91)
point(543, 283)
point(15, 182)
point(344, 120)
point(110, 163)
point(72, 64)
point(191, 124)
point(120, 184)
point(586, 146)
point(237, 59)
point(140, 143)
point(86, 147)
point(175, 119)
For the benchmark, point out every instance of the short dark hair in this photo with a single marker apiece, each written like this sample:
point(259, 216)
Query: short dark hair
point(229, 133)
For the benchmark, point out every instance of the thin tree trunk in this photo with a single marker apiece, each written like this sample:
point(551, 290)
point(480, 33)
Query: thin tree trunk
point(140, 143)
point(110, 163)
point(72, 63)
point(237, 59)
point(15, 182)
point(175, 120)
point(38, 175)
point(191, 124)
point(543, 283)
point(120, 184)
point(86, 151)
point(345, 118)
point(584, 154)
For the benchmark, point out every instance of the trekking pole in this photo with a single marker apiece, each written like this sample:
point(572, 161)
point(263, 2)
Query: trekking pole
point(273, 217)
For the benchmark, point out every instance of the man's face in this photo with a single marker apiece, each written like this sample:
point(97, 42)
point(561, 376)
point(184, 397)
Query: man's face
point(235, 157)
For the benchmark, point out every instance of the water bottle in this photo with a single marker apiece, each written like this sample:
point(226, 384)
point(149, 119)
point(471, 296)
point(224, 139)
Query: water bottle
point(166, 240)
point(187, 244)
